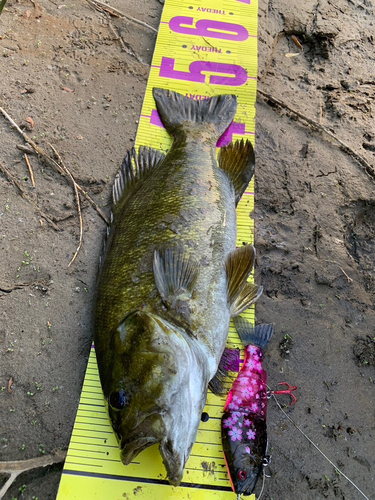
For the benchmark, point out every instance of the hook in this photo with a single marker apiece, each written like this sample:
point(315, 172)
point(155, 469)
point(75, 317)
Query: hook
point(289, 391)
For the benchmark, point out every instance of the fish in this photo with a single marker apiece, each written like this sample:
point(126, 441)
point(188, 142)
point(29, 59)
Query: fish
point(243, 423)
point(171, 278)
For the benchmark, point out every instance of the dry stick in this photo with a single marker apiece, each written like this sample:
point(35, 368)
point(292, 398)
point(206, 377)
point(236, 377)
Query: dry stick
point(132, 19)
point(77, 201)
point(121, 41)
point(320, 451)
point(14, 469)
point(15, 183)
point(349, 279)
point(117, 37)
point(52, 163)
point(370, 171)
point(70, 177)
point(30, 170)
point(25, 149)
point(6, 288)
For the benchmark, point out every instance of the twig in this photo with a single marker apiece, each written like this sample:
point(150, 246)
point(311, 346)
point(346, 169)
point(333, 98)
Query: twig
point(370, 171)
point(77, 202)
point(25, 149)
point(350, 280)
point(15, 183)
point(14, 469)
point(5, 288)
point(30, 170)
point(118, 37)
point(108, 8)
point(8, 289)
point(10, 383)
point(60, 170)
point(52, 163)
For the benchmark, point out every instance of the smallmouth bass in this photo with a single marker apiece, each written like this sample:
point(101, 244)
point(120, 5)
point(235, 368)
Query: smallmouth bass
point(171, 279)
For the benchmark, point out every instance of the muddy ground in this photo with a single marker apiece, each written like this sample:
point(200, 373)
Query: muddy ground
point(80, 75)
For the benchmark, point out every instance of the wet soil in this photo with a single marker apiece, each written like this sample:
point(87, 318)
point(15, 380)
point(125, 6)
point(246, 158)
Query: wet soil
point(80, 76)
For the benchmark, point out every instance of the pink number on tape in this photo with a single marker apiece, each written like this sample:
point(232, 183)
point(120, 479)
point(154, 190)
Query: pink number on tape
point(238, 75)
point(209, 28)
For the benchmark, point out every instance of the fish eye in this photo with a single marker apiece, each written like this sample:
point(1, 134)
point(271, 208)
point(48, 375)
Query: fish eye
point(118, 399)
point(241, 474)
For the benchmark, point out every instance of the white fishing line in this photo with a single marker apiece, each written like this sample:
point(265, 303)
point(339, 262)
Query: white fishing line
point(320, 451)
point(263, 483)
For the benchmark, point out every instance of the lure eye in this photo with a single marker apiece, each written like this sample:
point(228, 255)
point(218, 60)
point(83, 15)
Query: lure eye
point(118, 399)
point(241, 474)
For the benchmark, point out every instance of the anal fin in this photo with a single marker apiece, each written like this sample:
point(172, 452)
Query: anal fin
point(229, 362)
point(241, 294)
point(238, 161)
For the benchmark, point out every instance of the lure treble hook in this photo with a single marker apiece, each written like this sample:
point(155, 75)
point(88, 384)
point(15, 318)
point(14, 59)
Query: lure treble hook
point(289, 391)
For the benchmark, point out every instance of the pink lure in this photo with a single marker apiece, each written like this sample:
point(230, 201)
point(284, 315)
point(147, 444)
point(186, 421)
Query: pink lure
point(244, 429)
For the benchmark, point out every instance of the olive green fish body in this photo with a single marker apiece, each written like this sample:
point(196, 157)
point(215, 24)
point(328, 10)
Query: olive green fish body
point(170, 279)
point(188, 201)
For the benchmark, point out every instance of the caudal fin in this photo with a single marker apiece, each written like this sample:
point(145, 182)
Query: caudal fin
point(177, 111)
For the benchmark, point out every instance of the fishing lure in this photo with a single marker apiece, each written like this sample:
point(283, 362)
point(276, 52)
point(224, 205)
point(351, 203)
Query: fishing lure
point(243, 424)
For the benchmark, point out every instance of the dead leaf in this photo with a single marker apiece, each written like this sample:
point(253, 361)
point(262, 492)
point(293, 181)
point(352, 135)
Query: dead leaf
point(10, 383)
point(66, 89)
point(30, 121)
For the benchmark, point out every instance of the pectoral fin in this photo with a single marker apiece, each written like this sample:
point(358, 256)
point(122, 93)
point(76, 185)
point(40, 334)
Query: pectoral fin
point(241, 294)
point(238, 161)
point(175, 274)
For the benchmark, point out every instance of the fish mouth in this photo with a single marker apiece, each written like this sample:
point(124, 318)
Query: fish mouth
point(150, 430)
point(174, 462)
point(133, 448)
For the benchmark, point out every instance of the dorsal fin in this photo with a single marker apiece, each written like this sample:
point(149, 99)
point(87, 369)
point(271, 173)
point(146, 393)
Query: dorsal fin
point(238, 161)
point(241, 294)
point(134, 168)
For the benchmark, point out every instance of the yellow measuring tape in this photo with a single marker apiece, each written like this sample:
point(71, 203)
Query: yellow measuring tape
point(203, 49)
